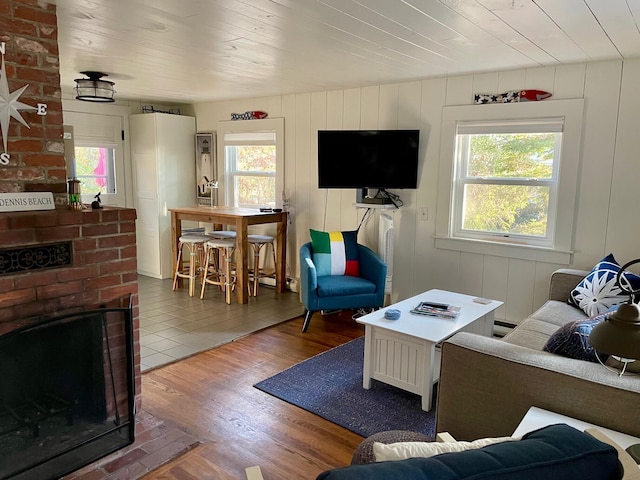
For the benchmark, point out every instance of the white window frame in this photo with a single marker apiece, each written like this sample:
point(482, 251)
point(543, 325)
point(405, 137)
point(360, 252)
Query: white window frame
point(558, 246)
point(263, 129)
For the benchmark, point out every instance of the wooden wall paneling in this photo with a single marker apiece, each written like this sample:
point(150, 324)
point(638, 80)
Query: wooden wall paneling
point(444, 270)
point(540, 79)
point(352, 109)
point(335, 109)
point(334, 113)
point(485, 83)
point(624, 216)
point(471, 274)
point(569, 81)
point(598, 149)
point(388, 106)
point(601, 226)
point(521, 280)
point(288, 103)
point(350, 121)
point(432, 99)
point(320, 198)
point(406, 221)
point(304, 190)
point(542, 278)
point(511, 80)
point(369, 119)
point(369, 102)
point(495, 281)
point(459, 90)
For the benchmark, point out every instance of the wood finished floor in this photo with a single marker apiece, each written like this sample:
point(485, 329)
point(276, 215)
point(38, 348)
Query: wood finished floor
point(211, 396)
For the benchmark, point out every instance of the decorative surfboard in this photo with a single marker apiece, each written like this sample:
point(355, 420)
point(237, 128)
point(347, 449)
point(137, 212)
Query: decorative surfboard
point(250, 115)
point(512, 96)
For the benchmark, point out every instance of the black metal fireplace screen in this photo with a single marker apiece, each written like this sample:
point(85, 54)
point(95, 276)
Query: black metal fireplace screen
point(66, 392)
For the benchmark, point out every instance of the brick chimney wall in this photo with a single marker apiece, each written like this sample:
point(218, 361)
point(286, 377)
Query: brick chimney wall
point(29, 30)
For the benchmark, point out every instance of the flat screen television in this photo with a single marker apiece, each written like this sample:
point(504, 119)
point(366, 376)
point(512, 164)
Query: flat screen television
point(381, 159)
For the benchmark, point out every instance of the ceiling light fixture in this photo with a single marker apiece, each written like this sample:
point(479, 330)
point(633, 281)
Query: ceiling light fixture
point(93, 89)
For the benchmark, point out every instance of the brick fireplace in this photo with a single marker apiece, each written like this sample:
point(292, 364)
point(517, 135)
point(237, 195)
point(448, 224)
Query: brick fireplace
point(101, 269)
point(56, 261)
point(67, 263)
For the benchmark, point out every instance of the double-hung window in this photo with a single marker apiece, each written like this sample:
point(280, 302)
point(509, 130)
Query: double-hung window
point(253, 159)
point(508, 179)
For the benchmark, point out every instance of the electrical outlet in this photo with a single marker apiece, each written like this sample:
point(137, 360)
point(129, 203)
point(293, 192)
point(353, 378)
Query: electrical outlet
point(424, 214)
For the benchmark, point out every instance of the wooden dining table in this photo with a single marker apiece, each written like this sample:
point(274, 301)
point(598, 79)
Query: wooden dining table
point(241, 218)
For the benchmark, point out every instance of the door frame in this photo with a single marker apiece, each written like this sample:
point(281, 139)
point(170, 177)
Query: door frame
point(122, 111)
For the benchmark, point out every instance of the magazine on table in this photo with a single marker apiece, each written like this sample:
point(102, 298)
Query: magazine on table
point(432, 309)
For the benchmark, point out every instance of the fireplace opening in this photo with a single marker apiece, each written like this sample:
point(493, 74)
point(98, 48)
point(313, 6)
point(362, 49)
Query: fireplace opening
point(66, 392)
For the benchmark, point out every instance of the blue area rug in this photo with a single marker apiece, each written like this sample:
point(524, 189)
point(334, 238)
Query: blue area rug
point(330, 385)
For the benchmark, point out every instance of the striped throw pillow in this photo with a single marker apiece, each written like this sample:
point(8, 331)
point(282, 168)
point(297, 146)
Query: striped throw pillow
point(335, 253)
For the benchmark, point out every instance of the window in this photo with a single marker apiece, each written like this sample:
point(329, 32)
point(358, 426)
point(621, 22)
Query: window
point(95, 168)
point(253, 163)
point(508, 181)
point(506, 178)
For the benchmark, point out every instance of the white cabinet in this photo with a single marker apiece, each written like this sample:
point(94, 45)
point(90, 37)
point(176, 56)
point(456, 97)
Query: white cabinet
point(163, 155)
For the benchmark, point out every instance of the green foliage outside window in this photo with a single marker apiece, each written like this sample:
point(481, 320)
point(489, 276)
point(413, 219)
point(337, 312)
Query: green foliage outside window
point(255, 169)
point(516, 208)
point(91, 169)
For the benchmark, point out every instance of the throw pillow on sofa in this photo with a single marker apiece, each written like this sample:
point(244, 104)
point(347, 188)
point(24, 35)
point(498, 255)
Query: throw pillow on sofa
point(572, 339)
point(403, 450)
point(598, 291)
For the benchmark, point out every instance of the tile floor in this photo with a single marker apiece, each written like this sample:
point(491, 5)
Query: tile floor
point(174, 325)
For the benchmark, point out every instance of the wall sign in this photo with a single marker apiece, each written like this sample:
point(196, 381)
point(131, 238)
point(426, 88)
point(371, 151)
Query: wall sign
point(20, 202)
point(10, 107)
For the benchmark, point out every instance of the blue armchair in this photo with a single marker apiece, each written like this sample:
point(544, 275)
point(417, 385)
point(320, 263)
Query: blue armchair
point(334, 292)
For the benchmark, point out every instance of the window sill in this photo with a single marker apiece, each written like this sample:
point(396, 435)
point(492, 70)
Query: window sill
point(499, 249)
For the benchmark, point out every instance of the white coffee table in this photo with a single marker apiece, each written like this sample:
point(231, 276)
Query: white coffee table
point(403, 352)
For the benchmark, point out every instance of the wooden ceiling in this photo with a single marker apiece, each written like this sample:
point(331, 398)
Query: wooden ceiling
point(200, 50)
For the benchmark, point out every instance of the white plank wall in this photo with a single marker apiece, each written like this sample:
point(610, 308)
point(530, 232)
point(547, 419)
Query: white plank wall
point(607, 217)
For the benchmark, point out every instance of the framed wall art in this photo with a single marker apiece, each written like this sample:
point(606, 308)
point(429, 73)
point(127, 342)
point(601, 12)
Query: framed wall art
point(206, 169)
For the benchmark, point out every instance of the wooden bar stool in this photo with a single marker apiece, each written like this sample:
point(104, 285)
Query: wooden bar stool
point(215, 274)
point(195, 244)
point(257, 242)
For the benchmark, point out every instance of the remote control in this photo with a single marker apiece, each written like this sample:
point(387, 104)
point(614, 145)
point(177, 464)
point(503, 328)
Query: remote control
point(483, 301)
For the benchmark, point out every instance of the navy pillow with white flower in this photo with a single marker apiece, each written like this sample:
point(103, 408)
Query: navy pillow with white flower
point(598, 291)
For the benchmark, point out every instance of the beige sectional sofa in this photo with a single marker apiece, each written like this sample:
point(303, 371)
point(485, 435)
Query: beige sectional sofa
point(487, 384)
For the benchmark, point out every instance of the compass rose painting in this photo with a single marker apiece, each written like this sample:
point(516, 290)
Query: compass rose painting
point(11, 106)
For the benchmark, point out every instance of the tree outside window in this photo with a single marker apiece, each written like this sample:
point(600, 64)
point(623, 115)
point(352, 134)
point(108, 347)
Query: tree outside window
point(507, 183)
point(95, 168)
point(254, 175)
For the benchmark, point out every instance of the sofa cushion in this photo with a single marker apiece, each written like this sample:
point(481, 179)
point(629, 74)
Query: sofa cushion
point(335, 253)
point(558, 313)
point(598, 291)
point(531, 333)
point(572, 339)
point(556, 451)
